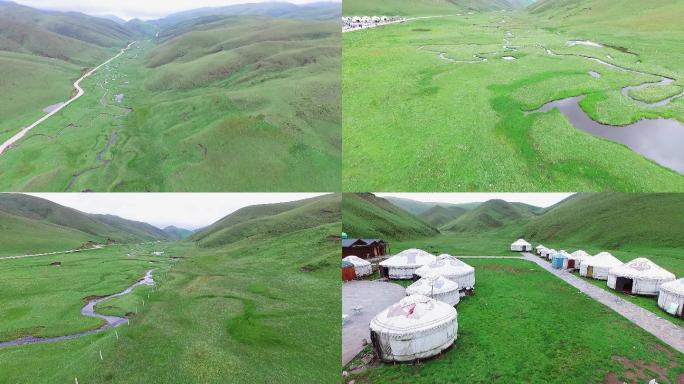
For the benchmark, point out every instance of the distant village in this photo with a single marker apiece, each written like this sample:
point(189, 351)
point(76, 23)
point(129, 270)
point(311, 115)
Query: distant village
point(353, 23)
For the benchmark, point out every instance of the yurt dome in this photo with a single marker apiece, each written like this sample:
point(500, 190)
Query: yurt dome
point(416, 327)
point(640, 276)
point(521, 245)
point(597, 267)
point(558, 260)
point(436, 287)
point(361, 266)
point(404, 264)
point(453, 269)
point(671, 297)
point(348, 273)
point(539, 248)
point(548, 252)
point(575, 259)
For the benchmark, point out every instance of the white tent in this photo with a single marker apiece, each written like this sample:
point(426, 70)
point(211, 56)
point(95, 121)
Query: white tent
point(575, 259)
point(361, 266)
point(404, 264)
point(414, 328)
point(671, 297)
point(597, 267)
point(538, 249)
point(521, 245)
point(436, 287)
point(453, 269)
point(548, 252)
point(640, 276)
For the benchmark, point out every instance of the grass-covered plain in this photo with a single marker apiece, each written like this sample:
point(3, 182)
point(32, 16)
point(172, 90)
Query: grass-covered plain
point(523, 325)
point(217, 105)
point(462, 127)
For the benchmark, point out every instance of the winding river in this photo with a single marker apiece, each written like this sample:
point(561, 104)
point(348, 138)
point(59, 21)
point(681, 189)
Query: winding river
point(87, 310)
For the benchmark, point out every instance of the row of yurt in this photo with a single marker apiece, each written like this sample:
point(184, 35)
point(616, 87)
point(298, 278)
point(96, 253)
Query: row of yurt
point(521, 245)
point(671, 297)
point(640, 276)
point(436, 287)
point(361, 267)
point(597, 267)
point(416, 327)
point(404, 264)
point(452, 269)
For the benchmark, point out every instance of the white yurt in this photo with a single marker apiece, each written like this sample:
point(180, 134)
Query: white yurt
point(548, 253)
point(538, 249)
point(361, 266)
point(436, 287)
point(671, 297)
point(454, 270)
point(597, 267)
point(521, 245)
point(640, 276)
point(575, 259)
point(416, 327)
point(404, 264)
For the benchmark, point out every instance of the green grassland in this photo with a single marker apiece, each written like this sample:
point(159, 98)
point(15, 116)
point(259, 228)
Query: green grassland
point(655, 94)
point(461, 127)
point(523, 325)
point(251, 310)
point(209, 111)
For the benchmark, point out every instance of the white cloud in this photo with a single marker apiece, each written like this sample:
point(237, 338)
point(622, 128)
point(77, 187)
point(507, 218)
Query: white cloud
point(184, 210)
point(129, 9)
point(536, 199)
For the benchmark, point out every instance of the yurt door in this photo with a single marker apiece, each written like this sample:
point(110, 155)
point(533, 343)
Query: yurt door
point(571, 264)
point(590, 270)
point(623, 284)
point(384, 272)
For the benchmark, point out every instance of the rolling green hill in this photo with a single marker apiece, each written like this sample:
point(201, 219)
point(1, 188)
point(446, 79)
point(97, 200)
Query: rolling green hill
point(424, 7)
point(257, 222)
point(493, 214)
point(440, 215)
point(176, 233)
point(31, 224)
point(418, 207)
point(366, 215)
point(613, 220)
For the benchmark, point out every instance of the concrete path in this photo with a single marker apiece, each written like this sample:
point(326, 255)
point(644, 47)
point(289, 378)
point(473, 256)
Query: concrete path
point(373, 296)
point(80, 92)
point(664, 330)
point(51, 253)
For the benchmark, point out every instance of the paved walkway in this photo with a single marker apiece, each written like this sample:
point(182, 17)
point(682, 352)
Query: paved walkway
point(52, 253)
point(664, 330)
point(373, 296)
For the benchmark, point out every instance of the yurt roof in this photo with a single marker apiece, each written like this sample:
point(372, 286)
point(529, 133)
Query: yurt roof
point(642, 268)
point(561, 253)
point(431, 285)
point(446, 265)
point(521, 242)
point(579, 255)
point(603, 259)
point(347, 264)
point(676, 287)
point(356, 260)
point(413, 314)
point(411, 256)
point(539, 246)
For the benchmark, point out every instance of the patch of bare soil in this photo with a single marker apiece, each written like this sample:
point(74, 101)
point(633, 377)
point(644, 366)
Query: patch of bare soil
point(638, 371)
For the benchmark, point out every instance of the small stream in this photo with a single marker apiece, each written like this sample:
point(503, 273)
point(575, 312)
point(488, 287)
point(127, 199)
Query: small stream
point(87, 310)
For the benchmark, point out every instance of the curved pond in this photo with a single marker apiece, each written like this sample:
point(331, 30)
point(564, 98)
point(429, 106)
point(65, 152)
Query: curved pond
point(659, 140)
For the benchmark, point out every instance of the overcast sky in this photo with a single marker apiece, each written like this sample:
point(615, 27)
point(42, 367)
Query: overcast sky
point(184, 210)
point(536, 199)
point(142, 9)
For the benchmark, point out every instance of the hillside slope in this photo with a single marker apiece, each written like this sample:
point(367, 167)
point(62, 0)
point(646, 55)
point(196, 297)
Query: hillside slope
point(366, 215)
point(440, 215)
point(424, 7)
point(490, 215)
point(270, 220)
point(614, 220)
point(61, 225)
point(176, 233)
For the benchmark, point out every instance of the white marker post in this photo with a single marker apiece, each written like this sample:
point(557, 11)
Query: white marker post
point(117, 335)
point(101, 355)
point(76, 379)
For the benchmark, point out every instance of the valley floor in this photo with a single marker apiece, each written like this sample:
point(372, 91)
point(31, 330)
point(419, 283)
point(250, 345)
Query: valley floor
point(458, 120)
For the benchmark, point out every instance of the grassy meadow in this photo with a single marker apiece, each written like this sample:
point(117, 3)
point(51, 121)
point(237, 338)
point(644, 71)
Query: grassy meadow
point(244, 312)
point(523, 325)
point(415, 121)
point(202, 110)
